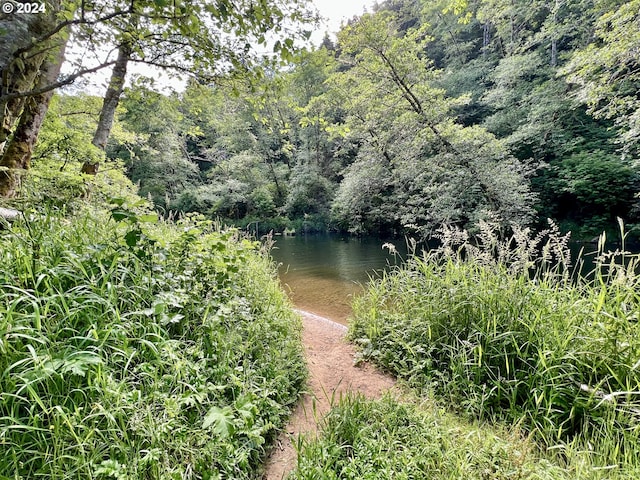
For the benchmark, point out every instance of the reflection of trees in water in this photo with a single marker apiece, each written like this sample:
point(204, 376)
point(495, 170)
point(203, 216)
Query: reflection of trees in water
point(324, 272)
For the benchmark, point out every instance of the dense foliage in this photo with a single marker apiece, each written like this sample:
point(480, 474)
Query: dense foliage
point(134, 349)
point(138, 350)
point(385, 440)
point(420, 113)
point(203, 39)
point(504, 334)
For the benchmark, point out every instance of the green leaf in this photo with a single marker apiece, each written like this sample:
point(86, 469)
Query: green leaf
point(148, 218)
point(80, 363)
point(133, 237)
point(119, 214)
point(116, 201)
point(159, 308)
point(171, 318)
point(220, 420)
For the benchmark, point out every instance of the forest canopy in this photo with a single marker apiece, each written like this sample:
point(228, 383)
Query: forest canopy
point(419, 113)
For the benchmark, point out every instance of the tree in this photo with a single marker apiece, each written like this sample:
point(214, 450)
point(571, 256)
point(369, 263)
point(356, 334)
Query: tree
point(31, 38)
point(158, 161)
point(597, 188)
point(197, 37)
point(64, 143)
point(65, 136)
point(202, 32)
point(30, 74)
point(439, 170)
point(309, 193)
point(18, 154)
point(37, 69)
point(517, 90)
point(607, 71)
point(364, 201)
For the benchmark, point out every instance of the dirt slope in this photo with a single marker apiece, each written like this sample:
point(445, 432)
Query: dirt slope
point(331, 369)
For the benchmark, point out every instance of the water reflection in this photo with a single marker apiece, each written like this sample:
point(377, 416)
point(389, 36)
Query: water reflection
point(322, 273)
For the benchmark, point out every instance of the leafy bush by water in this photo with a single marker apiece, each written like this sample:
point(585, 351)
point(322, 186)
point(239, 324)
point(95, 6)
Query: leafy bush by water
point(130, 350)
point(503, 333)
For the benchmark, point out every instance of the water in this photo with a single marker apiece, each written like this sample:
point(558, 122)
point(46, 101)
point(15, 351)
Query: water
point(322, 273)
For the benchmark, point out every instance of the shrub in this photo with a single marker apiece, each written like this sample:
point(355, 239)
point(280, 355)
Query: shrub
point(506, 334)
point(134, 350)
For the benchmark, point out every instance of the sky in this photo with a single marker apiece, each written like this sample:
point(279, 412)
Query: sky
point(336, 12)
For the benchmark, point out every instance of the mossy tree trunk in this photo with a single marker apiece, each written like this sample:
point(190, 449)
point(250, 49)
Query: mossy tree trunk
point(16, 159)
point(15, 78)
point(20, 68)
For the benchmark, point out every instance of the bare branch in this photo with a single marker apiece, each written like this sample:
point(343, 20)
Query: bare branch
point(61, 83)
point(68, 23)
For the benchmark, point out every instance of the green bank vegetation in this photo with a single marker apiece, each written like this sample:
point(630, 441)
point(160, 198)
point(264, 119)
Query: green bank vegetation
point(504, 335)
point(131, 348)
point(385, 439)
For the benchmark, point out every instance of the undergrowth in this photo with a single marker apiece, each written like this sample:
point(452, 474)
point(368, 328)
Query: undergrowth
point(507, 331)
point(384, 439)
point(136, 350)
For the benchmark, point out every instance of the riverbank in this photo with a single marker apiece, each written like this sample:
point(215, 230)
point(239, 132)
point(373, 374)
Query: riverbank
point(507, 336)
point(510, 373)
point(356, 422)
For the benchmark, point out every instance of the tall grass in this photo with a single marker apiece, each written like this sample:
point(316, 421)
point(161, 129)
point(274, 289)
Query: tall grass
point(506, 330)
point(132, 350)
point(385, 439)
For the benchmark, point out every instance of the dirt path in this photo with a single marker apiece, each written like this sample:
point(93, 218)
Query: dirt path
point(331, 373)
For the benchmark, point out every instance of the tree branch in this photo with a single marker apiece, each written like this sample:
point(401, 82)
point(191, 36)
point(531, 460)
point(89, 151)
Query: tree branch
point(68, 23)
point(61, 83)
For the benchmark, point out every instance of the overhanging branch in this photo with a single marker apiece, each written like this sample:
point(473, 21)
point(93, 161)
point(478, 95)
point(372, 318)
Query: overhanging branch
point(61, 83)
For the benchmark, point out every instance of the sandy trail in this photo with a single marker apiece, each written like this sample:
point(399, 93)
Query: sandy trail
point(331, 373)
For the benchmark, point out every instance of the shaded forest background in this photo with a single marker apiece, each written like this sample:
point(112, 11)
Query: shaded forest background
point(422, 112)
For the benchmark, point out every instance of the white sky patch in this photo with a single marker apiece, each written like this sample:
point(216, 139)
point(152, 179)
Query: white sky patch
point(337, 12)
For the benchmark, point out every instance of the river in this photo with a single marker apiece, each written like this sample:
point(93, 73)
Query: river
point(322, 273)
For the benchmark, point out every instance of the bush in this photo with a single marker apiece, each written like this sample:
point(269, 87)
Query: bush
point(134, 350)
point(483, 329)
point(386, 440)
point(54, 184)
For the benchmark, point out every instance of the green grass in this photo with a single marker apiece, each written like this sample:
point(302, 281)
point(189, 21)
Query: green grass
point(502, 334)
point(386, 439)
point(136, 350)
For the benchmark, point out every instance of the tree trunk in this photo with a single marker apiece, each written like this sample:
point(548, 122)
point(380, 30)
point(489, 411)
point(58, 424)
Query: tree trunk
point(19, 75)
point(17, 157)
point(486, 37)
point(110, 103)
point(554, 39)
point(112, 97)
point(19, 67)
